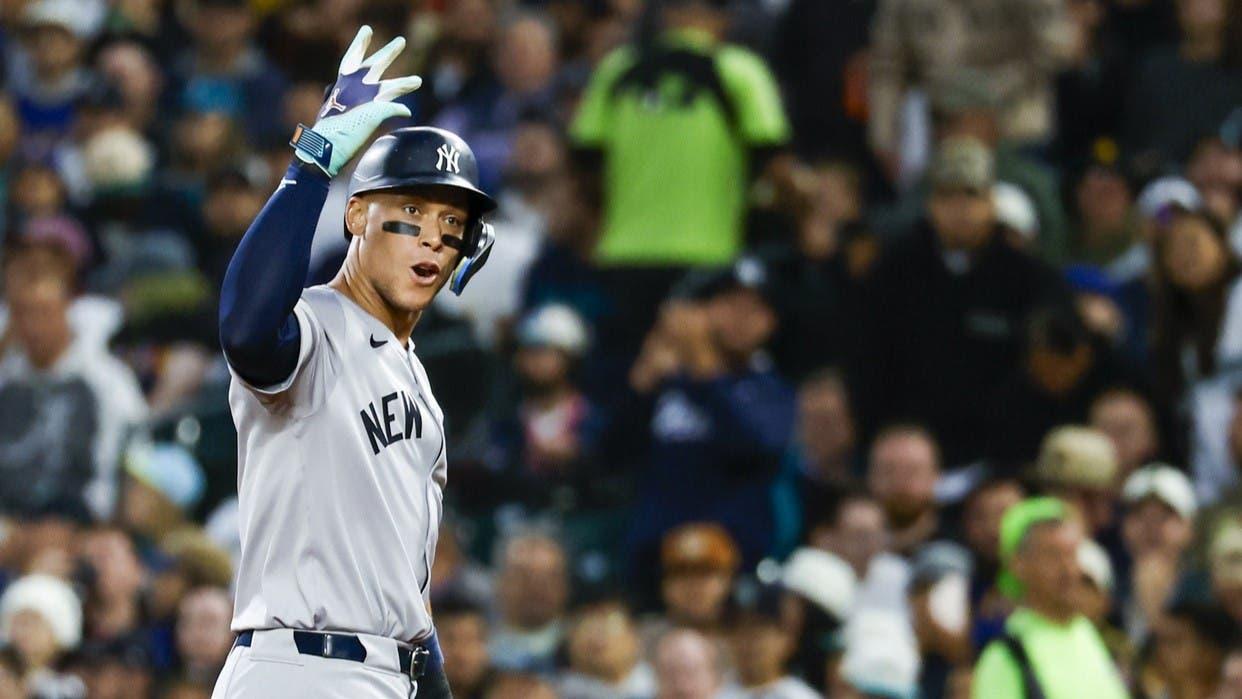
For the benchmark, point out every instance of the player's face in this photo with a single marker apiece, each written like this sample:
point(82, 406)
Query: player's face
point(410, 242)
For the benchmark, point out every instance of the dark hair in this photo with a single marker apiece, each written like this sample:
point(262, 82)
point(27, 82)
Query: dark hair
point(1182, 316)
point(1058, 328)
point(455, 603)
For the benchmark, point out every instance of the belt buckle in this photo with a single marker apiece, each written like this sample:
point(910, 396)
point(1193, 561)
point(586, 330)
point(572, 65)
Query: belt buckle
point(418, 662)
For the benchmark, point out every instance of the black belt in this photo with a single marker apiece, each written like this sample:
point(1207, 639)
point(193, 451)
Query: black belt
point(345, 646)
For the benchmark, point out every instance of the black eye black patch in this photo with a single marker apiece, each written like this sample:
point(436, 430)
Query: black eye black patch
point(401, 228)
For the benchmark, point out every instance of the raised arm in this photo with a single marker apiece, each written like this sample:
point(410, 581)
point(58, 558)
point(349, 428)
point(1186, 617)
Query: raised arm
point(258, 331)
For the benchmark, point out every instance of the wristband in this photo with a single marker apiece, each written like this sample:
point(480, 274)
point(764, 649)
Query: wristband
point(312, 148)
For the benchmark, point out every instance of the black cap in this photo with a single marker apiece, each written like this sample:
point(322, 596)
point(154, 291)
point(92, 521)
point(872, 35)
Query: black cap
point(756, 600)
point(420, 156)
point(748, 272)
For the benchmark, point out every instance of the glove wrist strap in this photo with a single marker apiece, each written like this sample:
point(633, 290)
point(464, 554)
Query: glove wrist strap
point(310, 147)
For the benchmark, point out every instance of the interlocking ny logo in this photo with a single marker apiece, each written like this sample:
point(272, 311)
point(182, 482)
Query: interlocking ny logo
point(446, 157)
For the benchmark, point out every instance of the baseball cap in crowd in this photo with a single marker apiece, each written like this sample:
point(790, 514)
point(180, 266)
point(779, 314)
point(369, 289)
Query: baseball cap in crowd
point(757, 601)
point(704, 546)
point(963, 163)
point(1016, 210)
point(49, 597)
point(1225, 551)
point(748, 272)
point(881, 655)
point(63, 233)
point(554, 325)
point(169, 469)
point(81, 18)
point(1094, 563)
point(938, 559)
point(1162, 194)
point(1015, 523)
point(1076, 457)
point(1164, 483)
point(821, 578)
point(963, 90)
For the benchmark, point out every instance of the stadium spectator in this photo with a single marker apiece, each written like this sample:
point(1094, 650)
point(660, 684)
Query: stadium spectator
point(719, 119)
point(698, 563)
point(1188, 648)
point(1106, 226)
point(854, 528)
point(902, 474)
point(1064, 367)
point(1016, 47)
point(982, 511)
point(115, 670)
point(820, 590)
point(819, 280)
point(69, 405)
point(1157, 527)
point(520, 686)
point(462, 627)
point(525, 65)
point(203, 636)
point(1184, 91)
point(41, 619)
point(825, 457)
point(605, 655)
point(965, 107)
point(532, 590)
point(1079, 466)
point(223, 70)
point(549, 442)
point(54, 76)
point(162, 485)
point(1126, 416)
point(688, 666)
point(721, 416)
point(1049, 646)
point(114, 602)
point(820, 55)
point(1225, 565)
point(762, 645)
point(1195, 317)
point(947, 305)
point(1096, 590)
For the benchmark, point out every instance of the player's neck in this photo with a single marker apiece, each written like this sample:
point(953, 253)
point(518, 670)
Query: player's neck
point(356, 289)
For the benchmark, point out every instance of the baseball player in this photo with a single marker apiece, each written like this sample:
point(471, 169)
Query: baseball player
point(341, 455)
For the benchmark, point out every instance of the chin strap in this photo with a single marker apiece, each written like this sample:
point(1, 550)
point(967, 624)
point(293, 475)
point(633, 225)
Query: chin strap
point(469, 266)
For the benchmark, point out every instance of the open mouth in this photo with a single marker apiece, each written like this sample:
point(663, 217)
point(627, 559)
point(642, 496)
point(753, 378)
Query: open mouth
point(426, 272)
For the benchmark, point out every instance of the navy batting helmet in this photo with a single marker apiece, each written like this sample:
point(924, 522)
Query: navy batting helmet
point(423, 156)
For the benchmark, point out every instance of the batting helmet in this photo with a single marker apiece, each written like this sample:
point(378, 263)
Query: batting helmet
point(423, 156)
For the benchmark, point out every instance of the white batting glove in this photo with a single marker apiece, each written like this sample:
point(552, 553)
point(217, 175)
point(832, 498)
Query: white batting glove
point(357, 104)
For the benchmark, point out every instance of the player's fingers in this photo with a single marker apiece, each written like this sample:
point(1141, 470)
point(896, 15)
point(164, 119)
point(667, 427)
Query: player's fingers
point(380, 60)
point(392, 89)
point(357, 50)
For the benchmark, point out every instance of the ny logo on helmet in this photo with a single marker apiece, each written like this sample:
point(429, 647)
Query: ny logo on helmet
point(446, 157)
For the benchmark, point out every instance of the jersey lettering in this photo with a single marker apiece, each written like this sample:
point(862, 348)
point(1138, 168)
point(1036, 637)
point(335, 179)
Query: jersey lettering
point(379, 423)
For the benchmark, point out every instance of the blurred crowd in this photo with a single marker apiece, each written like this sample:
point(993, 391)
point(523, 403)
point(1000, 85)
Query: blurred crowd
point(825, 344)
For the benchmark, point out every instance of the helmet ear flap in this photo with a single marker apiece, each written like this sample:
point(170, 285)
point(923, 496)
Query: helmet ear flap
point(484, 237)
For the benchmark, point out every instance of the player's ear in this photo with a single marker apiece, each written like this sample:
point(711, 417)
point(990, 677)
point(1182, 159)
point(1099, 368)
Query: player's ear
point(355, 216)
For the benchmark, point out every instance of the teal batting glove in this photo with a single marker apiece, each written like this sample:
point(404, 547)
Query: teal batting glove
point(356, 105)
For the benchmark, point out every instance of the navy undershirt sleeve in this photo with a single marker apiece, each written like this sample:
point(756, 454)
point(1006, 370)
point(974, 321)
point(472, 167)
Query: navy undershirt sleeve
point(264, 280)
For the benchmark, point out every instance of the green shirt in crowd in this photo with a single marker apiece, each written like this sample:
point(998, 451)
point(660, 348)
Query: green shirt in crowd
point(1069, 660)
point(676, 130)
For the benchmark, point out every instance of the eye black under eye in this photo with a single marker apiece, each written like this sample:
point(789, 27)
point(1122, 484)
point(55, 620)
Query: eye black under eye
point(453, 242)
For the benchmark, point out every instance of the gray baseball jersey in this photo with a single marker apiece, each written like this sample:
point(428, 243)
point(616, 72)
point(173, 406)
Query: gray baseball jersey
point(340, 477)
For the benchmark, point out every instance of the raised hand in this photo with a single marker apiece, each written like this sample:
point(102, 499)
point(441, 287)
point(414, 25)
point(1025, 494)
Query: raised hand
point(358, 102)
